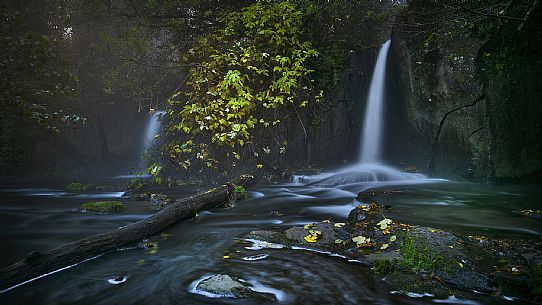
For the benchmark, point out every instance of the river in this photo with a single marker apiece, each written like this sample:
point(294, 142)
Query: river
point(41, 215)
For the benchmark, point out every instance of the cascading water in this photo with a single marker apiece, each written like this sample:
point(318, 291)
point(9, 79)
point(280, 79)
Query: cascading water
point(152, 129)
point(369, 167)
point(371, 140)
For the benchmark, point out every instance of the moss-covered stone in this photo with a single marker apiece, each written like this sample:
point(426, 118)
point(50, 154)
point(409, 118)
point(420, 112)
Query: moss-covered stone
point(103, 206)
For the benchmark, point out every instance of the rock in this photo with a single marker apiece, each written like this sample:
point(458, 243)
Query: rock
point(413, 283)
point(357, 215)
point(231, 287)
point(328, 234)
point(103, 207)
point(264, 235)
point(141, 196)
point(160, 200)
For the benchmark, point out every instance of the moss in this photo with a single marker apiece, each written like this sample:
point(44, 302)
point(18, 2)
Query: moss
point(418, 256)
point(536, 280)
point(103, 206)
point(385, 266)
point(76, 186)
point(284, 240)
point(241, 192)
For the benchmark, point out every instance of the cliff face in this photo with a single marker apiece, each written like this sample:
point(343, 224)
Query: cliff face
point(436, 105)
point(450, 112)
point(335, 132)
point(488, 114)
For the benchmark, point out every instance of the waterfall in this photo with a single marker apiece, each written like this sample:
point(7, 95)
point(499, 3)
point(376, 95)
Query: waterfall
point(153, 128)
point(369, 168)
point(371, 140)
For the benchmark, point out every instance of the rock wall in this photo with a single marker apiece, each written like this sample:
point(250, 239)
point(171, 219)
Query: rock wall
point(497, 138)
point(335, 135)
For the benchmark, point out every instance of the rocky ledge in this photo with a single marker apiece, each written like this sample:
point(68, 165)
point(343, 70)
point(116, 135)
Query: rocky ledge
point(422, 260)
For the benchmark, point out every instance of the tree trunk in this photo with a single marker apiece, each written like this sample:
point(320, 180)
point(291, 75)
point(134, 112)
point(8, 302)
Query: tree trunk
point(39, 263)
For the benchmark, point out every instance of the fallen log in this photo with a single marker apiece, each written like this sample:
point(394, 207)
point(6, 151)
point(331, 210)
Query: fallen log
point(39, 263)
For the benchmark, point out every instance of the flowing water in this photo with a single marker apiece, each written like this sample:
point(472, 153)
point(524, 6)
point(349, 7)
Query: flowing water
point(37, 216)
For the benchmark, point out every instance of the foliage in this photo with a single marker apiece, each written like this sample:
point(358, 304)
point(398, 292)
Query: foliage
point(139, 183)
point(35, 79)
point(103, 206)
point(244, 75)
point(339, 28)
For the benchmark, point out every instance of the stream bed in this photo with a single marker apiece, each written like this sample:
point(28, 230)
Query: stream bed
point(39, 216)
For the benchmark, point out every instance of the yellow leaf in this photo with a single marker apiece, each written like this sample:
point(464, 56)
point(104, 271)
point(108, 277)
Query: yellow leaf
point(339, 241)
point(259, 165)
point(225, 256)
point(310, 238)
point(307, 226)
point(384, 247)
point(460, 265)
point(339, 224)
point(393, 238)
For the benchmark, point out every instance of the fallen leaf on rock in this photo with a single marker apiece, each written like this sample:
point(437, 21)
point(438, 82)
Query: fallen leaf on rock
point(311, 238)
point(339, 224)
point(384, 247)
point(308, 226)
point(383, 224)
point(362, 241)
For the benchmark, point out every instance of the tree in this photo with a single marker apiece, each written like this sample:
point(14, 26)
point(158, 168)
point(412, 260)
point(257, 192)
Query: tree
point(245, 75)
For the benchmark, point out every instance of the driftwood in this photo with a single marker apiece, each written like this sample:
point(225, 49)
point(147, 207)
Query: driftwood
point(39, 263)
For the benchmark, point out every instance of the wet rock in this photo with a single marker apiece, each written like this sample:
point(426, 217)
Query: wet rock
point(160, 200)
point(328, 234)
point(228, 286)
point(414, 283)
point(357, 215)
point(141, 196)
point(421, 259)
point(264, 235)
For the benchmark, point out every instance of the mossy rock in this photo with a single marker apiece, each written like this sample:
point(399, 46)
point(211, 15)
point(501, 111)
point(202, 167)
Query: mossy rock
point(413, 283)
point(240, 192)
point(76, 186)
point(103, 206)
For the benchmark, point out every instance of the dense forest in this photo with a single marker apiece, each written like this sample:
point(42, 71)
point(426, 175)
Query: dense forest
point(403, 138)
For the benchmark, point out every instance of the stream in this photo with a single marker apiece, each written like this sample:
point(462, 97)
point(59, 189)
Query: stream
point(42, 215)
